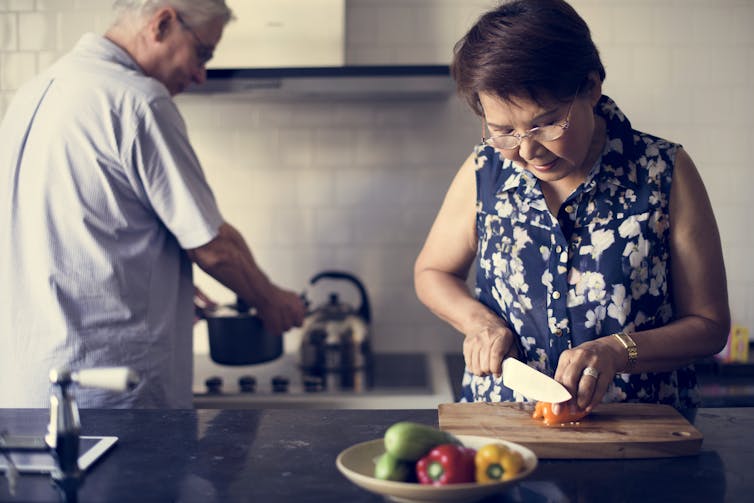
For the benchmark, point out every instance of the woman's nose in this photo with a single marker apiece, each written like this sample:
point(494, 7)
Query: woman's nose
point(528, 147)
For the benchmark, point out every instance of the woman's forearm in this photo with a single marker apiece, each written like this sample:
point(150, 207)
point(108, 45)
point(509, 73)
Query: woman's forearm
point(677, 344)
point(449, 298)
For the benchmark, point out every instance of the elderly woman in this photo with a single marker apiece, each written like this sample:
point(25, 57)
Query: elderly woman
point(597, 255)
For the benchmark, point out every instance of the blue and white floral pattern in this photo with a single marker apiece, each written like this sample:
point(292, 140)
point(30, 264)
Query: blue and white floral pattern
point(600, 266)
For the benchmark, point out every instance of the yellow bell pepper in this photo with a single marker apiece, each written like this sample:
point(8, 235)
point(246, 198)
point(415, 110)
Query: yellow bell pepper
point(496, 462)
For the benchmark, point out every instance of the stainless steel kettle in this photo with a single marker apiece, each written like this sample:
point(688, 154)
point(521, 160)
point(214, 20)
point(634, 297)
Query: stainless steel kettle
point(336, 335)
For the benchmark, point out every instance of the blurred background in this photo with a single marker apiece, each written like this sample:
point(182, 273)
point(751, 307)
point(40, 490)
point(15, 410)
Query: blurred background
point(353, 182)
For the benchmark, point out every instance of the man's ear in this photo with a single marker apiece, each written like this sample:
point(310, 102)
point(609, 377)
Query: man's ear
point(161, 23)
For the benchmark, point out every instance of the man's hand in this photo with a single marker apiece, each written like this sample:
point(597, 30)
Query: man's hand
point(201, 302)
point(281, 310)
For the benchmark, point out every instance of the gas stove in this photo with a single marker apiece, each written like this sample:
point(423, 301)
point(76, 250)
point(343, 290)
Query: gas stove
point(392, 381)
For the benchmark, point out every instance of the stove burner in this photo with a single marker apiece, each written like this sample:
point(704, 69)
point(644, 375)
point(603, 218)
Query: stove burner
point(247, 384)
point(214, 384)
point(280, 384)
point(314, 383)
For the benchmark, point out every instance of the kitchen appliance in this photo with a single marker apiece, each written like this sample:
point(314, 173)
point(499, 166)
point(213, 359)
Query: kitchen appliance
point(237, 335)
point(392, 381)
point(612, 430)
point(327, 363)
point(292, 50)
point(283, 33)
point(283, 49)
point(531, 383)
point(395, 82)
point(335, 334)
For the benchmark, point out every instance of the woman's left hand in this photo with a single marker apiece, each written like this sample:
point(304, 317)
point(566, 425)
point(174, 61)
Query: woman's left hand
point(586, 371)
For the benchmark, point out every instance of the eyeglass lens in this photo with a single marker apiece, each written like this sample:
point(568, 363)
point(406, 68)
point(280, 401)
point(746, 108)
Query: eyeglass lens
point(544, 133)
point(204, 52)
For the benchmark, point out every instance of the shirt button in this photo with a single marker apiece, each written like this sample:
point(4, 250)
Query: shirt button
point(558, 249)
point(569, 209)
point(556, 295)
point(558, 332)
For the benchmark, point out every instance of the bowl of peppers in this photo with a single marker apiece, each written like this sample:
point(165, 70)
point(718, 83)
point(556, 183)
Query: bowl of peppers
point(418, 463)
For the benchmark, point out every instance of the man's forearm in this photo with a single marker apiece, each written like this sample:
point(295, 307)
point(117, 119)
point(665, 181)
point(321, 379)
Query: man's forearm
point(228, 259)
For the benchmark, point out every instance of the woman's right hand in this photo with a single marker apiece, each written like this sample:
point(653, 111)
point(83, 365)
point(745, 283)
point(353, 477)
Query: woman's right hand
point(486, 345)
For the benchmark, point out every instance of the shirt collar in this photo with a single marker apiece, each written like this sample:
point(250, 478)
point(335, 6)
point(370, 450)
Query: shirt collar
point(615, 166)
point(611, 167)
point(93, 45)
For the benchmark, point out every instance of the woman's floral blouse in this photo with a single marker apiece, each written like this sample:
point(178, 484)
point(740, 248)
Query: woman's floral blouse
point(601, 266)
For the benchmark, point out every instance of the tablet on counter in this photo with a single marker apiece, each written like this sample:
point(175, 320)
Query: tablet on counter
point(91, 448)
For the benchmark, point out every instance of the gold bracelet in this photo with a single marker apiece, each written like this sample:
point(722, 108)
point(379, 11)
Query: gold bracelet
point(630, 346)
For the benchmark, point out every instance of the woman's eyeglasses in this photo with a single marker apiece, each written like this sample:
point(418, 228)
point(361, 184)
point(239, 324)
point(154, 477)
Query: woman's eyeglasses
point(543, 133)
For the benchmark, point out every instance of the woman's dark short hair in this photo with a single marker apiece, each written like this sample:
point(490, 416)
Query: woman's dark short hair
point(540, 49)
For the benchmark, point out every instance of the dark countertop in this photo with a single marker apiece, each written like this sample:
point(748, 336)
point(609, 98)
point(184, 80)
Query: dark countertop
point(289, 455)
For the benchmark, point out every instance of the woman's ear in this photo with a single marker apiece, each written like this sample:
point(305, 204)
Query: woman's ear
point(595, 88)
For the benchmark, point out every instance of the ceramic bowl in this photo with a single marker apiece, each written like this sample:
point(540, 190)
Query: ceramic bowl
point(358, 461)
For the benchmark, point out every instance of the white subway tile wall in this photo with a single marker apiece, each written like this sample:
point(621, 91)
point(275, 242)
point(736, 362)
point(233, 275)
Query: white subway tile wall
point(355, 185)
point(8, 35)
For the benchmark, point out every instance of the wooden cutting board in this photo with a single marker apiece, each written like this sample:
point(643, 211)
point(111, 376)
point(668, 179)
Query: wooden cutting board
point(616, 430)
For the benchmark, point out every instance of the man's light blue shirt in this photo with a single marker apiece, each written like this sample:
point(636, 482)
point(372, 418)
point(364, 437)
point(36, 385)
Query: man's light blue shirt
point(100, 194)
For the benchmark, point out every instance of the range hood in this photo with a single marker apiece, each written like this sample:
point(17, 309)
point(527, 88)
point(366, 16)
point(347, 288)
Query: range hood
point(343, 82)
point(289, 48)
point(283, 33)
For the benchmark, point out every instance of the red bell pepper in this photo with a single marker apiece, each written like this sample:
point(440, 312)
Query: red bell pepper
point(446, 464)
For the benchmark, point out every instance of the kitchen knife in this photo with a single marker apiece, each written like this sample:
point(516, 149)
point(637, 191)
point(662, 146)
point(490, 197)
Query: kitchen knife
point(531, 383)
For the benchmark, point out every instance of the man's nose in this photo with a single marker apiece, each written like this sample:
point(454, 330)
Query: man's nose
point(200, 76)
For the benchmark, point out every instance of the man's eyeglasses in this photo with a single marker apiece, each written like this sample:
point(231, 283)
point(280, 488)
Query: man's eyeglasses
point(542, 133)
point(204, 52)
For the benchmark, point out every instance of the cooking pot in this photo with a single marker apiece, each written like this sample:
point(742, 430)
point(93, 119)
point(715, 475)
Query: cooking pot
point(335, 335)
point(238, 337)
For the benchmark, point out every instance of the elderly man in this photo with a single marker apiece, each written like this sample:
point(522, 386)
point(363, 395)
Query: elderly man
point(104, 207)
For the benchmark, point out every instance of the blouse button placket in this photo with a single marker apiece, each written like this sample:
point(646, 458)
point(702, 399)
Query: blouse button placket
point(558, 265)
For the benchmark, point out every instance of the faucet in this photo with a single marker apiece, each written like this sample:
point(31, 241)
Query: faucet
point(63, 430)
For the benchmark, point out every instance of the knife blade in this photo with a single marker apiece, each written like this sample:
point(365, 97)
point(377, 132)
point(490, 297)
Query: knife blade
point(533, 384)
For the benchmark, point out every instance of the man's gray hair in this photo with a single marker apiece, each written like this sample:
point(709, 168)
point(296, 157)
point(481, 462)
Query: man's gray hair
point(195, 12)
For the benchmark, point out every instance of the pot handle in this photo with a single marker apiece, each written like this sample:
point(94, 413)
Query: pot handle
point(241, 306)
point(364, 311)
point(204, 310)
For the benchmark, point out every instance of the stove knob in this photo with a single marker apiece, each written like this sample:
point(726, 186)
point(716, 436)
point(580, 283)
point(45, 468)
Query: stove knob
point(314, 383)
point(247, 384)
point(280, 384)
point(214, 384)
